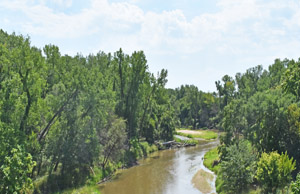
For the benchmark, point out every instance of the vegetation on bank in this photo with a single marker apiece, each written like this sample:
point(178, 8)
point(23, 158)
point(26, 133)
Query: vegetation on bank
point(188, 141)
point(211, 161)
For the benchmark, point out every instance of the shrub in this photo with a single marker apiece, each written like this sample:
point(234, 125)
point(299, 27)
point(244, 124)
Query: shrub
point(274, 171)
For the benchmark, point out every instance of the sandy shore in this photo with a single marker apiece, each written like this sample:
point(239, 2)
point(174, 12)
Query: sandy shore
point(201, 181)
point(192, 132)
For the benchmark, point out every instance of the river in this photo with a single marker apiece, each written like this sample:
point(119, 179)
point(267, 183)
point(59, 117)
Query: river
point(174, 171)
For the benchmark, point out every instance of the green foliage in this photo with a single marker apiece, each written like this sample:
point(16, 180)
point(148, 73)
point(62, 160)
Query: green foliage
point(75, 113)
point(274, 171)
point(113, 141)
point(296, 185)
point(262, 108)
point(14, 172)
point(238, 167)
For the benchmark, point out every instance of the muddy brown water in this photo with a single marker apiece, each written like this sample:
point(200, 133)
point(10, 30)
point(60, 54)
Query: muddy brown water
point(164, 172)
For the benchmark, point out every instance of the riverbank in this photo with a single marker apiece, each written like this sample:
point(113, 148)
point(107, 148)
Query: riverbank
point(48, 183)
point(211, 160)
point(142, 151)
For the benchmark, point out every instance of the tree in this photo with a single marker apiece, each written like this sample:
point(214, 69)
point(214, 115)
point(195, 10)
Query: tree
point(296, 185)
point(274, 171)
point(291, 81)
point(267, 120)
point(234, 120)
point(193, 108)
point(113, 140)
point(226, 90)
point(293, 135)
point(248, 82)
point(238, 167)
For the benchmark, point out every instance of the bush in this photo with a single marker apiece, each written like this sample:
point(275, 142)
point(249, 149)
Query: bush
point(274, 171)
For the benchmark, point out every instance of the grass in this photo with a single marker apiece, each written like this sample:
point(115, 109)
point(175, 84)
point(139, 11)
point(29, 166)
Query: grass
point(209, 158)
point(203, 134)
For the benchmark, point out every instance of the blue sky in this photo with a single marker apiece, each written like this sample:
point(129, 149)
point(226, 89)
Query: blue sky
point(198, 41)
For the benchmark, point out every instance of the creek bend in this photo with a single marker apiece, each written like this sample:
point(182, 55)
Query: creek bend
point(172, 171)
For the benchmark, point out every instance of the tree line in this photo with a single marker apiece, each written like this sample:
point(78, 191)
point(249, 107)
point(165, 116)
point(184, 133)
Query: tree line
point(194, 109)
point(65, 116)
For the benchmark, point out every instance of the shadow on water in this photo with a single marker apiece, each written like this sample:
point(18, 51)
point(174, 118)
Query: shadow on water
point(163, 172)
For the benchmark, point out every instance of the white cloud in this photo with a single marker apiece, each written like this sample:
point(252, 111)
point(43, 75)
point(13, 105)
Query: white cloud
point(154, 29)
point(239, 30)
point(64, 3)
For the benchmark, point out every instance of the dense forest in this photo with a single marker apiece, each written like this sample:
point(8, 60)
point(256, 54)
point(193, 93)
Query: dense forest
point(71, 120)
point(66, 117)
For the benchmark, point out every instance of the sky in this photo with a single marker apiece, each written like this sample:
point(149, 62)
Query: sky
point(197, 41)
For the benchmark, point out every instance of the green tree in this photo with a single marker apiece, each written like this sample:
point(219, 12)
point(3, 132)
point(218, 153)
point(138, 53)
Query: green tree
point(291, 83)
point(267, 120)
point(233, 123)
point(248, 82)
point(238, 167)
point(226, 90)
point(113, 140)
